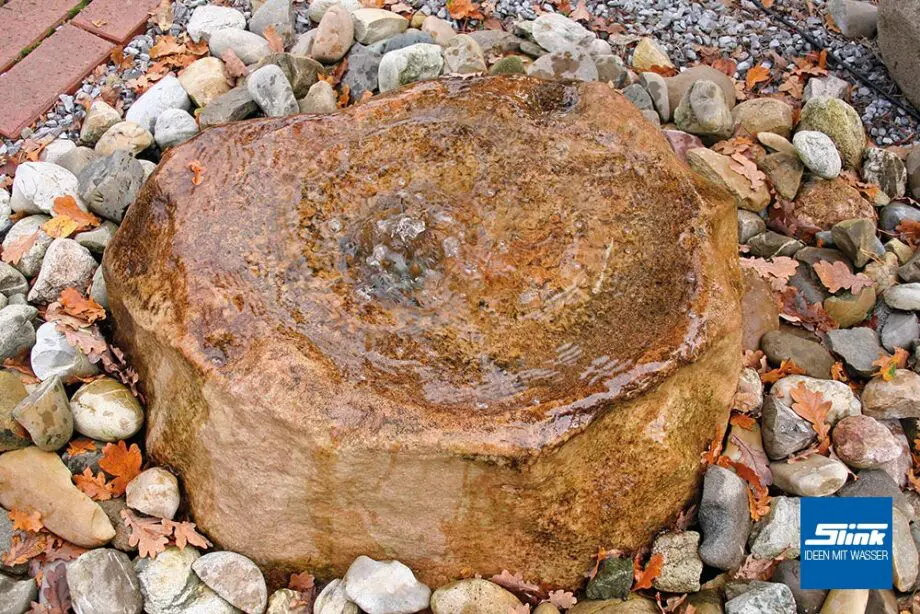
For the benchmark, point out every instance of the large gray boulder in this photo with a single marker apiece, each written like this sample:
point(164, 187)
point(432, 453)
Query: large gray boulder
point(899, 41)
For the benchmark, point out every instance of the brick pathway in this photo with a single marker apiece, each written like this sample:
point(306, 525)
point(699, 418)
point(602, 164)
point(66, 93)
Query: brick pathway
point(60, 62)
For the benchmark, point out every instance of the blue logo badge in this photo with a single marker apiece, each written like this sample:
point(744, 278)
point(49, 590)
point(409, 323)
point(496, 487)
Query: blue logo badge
point(846, 542)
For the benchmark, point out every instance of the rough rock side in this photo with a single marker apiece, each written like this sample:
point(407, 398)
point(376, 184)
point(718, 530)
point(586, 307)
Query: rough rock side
point(472, 324)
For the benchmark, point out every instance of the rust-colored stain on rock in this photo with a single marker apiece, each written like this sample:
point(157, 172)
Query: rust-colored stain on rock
point(474, 324)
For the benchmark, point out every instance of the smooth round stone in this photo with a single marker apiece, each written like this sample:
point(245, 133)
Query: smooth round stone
point(818, 152)
point(816, 476)
point(38, 184)
point(235, 578)
point(104, 580)
point(53, 355)
point(124, 136)
point(45, 414)
point(105, 409)
point(17, 333)
point(333, 599)
point(473, 595)
point(385, 586)
point(864, 443)
point(154, 492)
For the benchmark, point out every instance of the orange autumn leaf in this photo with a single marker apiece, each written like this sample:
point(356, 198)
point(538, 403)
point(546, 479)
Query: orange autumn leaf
point(79, 446)
point(80, 307)
point(839, 372)
point(60, 227)
point(756, 74)
point(121, 462)
point(24, 547)
point(726, 66)
point(301, 582)
point(148, 534)
point(66, 206)
point(837, 276)
point(463, 9)
point(96, 488)
point(758, 495)
point(18, 248)
point(812, 406)
point(197, 171)
point(644, 577)
point(888, 365)
point(786, 367)
point(275, 42)
point(581, 12)
point(184, 533)
point(909, 231)
point(712, 453)
point(26, 521)
point(742, 421)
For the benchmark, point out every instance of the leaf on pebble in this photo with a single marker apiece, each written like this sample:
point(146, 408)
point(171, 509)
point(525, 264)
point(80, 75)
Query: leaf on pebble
point(58, 549)
point(302, 582)
point(756, 74)
point(24, 547)
point(812, 406)
point(743, 421)
point(644, 577)
point(197, 171)
point(726, 66)
point(889, 365)
point(76, 305)
point(66, 206)
point(909, 231)
point(562, 599)
point(26, 521)
point(516, 584)
point(748, 169)
point(776, 271)
point(234, 65)
point(121, 462)
point(712, 453)
point(463, 9)
point(18, 248)
point(148, 534)
point(184, 533)
point(837, 276)
point(79, 446)
point(758, 495)
point(786, 367)
point(275, 42)
point(581, 12)
point(60, 227)
point(96, 488)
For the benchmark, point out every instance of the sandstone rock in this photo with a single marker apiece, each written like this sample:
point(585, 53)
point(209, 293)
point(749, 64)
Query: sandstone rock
point(385, 587)
point(209, 18)
point(45, 414)
point(816, 476)
point(37, 184)
point(53, 355)
point(205, 79)
point(633, 605)
point(704, 111)
point(864, 443)
point(105, 409)
point(235, 578)
point(784, 171)
point(898, 398)
point(818, 152)
point(821, 204)
point(855, 19)
point(648, 54)
point(271, 90)
point(12, 436)
point(31, 479)
point(248, 46)
point(372, 25)
point(67, 264)
point(334, 35)
point(321, 99)
point(233, 106)
point(440, 30)
point(154, 492)
point(475, 595)
point(841, 122)
point(886, 170)
point(333, 599)
point(486, 128)
point(463, 55)
point(104, 582)
point(555, 32)
point(125, 136)
point(764, 115)
point(100, 117)
point(318, 8)
point(167, 93)
point(776, 142)
point(564, 65)
point(840, 601)
point(899, 42)
point(680, 84)
point(174, 126)
point(848, 309)
point(413, 63)
point(718, 168)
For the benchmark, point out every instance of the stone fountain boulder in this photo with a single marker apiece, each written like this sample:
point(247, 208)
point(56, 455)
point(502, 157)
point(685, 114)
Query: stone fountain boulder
point(476, 324)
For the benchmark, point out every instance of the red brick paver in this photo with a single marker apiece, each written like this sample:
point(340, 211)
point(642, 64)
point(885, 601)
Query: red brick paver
point(58, 65)
point(24, 22)
point(116, 20)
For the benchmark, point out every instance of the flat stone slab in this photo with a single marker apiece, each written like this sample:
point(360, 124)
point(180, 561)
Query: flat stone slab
point(25, 22)
point(115, 20)
point(421, 328)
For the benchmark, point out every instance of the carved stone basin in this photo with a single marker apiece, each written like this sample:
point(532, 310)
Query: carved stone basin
point(472, 325)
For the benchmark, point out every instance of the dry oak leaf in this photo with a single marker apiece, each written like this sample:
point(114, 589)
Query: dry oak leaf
point(742, 421)
point(148, 534)
point(726, 66)
point(756, 74)
point(26, 521)
point(776, 271)
point(55, 597)
point(122, 462)
point(96, 488)
point(184, 533)
point(67, 206)
point(714, 451)
point(81, 445)
point(581, 12)
point(166, 45)
point(18, 248)
point(909, 231)
point(197, 170)
point(58, 549)
point(758, 495)
point(60, 227)
point(274, 39)
point(812, 406)
point(644, 577)
point(837, 276)
point(888, 365)
point(302, 582)
point(80, 307)
point(746, 168)
point(562, 599)
point(516, 583)
point(24, 547)
point(463, 9)
point(234, 65)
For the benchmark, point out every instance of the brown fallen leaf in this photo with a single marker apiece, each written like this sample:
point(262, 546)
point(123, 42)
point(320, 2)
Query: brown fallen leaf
point(275, 42)
point(756, 74)
point(837, 276)
point(18, 248)
point(233, 65)
point(301, 582)
point(643, 578)
point(463, 9)
point(786, 367)
point(79, 446)
point(742, 165)
point(889, 365)
point(184, 533)
point(813, 407)
point(197, 171)
point(67, 206)
point(581, 12)
point(26, 521)
point(121, 462)
point(776, 271)
point(85, 309)
point(148, 534)
point(24, 547)
point(562, 599)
